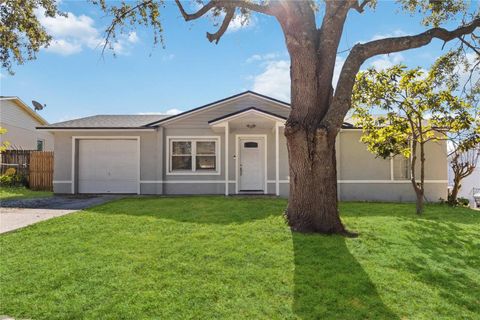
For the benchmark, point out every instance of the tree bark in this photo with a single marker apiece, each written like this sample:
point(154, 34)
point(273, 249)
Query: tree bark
point(312, 205)
point(419, 188)
point(452, 199)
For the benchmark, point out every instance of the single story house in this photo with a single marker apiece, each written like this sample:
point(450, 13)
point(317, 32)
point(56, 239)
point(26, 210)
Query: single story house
point(21, 122)
point(232, 146)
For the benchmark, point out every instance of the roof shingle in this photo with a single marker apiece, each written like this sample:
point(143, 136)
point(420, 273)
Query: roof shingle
point(109, 121)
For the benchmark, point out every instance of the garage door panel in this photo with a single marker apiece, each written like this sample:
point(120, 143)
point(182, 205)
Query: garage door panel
point(108, 166)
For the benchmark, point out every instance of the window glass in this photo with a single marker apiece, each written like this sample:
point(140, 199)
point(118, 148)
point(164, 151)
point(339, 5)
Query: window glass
point(250, 145)
point(205, 147)
point(206, 162)
point(181, 163)
point(401, 168)
point(40, 145)
point(193, 156)
point(182, 147)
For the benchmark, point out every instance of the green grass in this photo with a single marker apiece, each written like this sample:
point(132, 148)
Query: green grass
point(9, 193)
point(217, 258)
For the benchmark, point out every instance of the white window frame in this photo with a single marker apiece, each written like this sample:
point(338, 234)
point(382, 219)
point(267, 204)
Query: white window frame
point(193, 140)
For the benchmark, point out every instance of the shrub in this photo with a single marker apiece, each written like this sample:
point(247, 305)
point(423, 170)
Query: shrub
point(12, 179)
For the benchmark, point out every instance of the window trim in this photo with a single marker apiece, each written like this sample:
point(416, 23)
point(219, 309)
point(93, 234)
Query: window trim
point(193, 140)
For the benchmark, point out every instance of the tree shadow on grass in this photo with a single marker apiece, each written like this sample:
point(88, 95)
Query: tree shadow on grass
point(331, 284)
point(193, 209)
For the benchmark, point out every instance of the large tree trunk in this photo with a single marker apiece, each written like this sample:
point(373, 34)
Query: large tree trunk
point(312, 206)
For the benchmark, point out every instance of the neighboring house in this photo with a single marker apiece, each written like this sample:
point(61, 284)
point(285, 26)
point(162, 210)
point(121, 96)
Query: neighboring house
point(468, 184)
point(232, 146)
point(21, 122)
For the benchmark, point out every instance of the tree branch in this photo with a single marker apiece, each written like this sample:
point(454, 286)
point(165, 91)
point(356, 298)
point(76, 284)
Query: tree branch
point(217, 35)
point(229, 6)
point(360, 6)
point(118, 18)
point(197, 14)
point(361, 52)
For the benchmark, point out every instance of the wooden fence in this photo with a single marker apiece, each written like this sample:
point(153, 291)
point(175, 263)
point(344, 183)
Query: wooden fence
point(41, 170)
point(17, 159)
point(36, 166)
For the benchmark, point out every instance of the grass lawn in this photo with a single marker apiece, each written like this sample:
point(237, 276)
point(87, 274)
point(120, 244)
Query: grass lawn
point(217, 258)
point(8, 193)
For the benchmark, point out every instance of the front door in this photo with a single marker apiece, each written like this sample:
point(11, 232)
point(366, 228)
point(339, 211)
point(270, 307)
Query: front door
point(251, 169)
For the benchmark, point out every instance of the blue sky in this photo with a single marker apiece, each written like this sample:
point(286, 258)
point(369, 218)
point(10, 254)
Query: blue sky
point(74, 80)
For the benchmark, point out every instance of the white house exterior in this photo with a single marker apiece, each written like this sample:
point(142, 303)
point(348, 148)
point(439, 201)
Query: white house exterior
point(21, 122)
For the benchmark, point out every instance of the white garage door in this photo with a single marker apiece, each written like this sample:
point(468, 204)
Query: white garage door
point(107, 166)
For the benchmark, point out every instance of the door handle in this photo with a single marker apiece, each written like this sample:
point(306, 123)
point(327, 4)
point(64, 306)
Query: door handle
point(241, 170)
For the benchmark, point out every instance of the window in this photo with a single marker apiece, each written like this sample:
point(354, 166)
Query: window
point(401, 168)
point(250, 145)
point(40, 145)
point(181, 155)
point(189, 156)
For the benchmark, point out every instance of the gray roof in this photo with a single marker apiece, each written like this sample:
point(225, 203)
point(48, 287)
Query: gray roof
point(109, 121)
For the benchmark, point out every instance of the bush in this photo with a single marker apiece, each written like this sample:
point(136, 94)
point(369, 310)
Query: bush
point(463, 202)
point(12, 179)
point(459, 202)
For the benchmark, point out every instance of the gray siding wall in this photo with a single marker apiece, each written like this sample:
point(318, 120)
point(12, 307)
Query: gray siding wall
point(200, 119)
point(361, 175)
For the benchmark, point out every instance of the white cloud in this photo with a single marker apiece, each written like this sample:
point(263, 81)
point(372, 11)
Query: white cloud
point(240, 22)
point(173, 111)
point(169, 112)
point(386, 61)
point(396, 33)
point(132, 37)
point(274, 81)
point(262, 57)
point(339, 61)
point(464, 75)
point(71, 34)
point(168, 57)
point(64, 47)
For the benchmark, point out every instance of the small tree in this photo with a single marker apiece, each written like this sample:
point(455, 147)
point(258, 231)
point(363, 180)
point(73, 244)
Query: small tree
point(463, 160)
point(415, 111)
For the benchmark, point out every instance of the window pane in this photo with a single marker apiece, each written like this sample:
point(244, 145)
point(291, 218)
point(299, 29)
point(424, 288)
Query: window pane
point(181, 163)
point(250, 145)
point(205, 147)
point(206, 162)
point(39, 145)
point(182, 147)
point(401, 170)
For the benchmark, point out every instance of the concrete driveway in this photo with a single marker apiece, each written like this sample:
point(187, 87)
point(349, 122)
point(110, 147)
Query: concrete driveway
point(16, 214)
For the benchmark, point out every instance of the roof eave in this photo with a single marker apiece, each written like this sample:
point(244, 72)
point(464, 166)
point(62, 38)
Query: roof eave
point(27, 109)
point(236, 96)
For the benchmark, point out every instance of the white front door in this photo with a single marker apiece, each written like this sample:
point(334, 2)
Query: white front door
point(107, 166)
point(251, 168)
